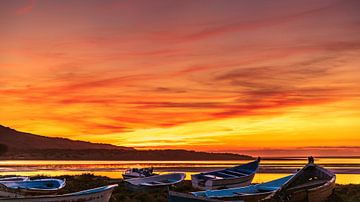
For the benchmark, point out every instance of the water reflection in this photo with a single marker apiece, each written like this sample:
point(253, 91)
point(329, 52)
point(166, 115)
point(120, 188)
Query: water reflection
point(347, 169)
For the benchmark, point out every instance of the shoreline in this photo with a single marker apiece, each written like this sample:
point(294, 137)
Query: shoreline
point(267, 166)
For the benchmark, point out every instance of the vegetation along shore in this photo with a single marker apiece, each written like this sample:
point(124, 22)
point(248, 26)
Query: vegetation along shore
point(342, 193)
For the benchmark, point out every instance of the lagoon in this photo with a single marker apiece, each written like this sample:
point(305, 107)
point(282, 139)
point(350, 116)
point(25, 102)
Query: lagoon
point(347, 169)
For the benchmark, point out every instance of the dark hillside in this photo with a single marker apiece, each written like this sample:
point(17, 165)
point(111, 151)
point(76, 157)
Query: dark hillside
point(15, 140)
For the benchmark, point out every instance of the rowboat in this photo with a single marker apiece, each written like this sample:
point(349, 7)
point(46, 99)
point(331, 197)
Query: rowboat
point(20, 178)
point(138, 173)
point(251, 193)
point(312, 183)
point(156, 181)
point(237, 176)
point(39, 186)
point(247, 193)
point(185, 197)
point(100, 194)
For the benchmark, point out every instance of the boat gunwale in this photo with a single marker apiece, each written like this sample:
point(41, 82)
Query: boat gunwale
point(230, 168)
point(328, 183)
point(141, 184)
point(245, 187)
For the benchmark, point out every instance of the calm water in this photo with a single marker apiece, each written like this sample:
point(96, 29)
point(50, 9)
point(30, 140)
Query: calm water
point(347, 169)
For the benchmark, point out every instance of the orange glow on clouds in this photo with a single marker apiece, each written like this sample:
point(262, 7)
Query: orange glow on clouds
point(257, 77)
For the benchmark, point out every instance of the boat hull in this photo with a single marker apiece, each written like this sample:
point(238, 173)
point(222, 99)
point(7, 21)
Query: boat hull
point(32, 187)
point(237, 176)
point(312, 183)
point(317, 194)
point(155, 181)
point(182, 197)
point(323, 192)
point(127, 176)
point(249, 193)
point(223, 183)
point(101, 194)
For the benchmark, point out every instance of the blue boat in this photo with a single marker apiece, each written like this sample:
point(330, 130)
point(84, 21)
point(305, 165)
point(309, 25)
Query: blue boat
point(237, 176)
point(248, 193)
point(39, 186)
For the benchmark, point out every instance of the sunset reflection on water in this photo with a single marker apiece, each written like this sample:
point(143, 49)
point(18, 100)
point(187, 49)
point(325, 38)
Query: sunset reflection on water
point(347, 169)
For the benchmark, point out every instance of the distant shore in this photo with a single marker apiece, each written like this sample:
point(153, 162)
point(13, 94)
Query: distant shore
point(122, 155)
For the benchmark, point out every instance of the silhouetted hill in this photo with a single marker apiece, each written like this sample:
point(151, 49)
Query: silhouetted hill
point(17, 145)
point(15, 140)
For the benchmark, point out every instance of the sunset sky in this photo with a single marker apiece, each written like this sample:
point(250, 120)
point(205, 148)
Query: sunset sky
point(255, 77)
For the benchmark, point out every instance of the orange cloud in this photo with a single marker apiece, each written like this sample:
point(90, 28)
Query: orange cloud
point(184, 75)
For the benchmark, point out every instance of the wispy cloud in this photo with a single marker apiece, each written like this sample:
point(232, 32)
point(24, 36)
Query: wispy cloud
point(27, 8)
point(211, 31)
point(172, 69)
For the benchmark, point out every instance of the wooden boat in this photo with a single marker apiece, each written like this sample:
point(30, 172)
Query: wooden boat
point(28, 187)
point(247, 193)
point(237, 176)
point(312, 183)
point(100, 194)
point(185, 197)
point(157, 180)
point(251, 193)
point(20, 178)
point(138, 173)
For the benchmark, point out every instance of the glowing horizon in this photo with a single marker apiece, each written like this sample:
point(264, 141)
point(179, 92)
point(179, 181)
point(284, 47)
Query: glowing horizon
point(258, 77)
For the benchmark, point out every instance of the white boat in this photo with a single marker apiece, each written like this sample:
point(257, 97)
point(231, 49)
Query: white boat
point(138, 173)
point(20, 178)
point(100, 194)
point(157, 180)
point(312, 183)
point(39, 186)
point(248, 193)
point(237, 176)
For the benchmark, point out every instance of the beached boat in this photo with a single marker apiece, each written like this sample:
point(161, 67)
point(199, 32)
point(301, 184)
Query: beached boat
point(20, 178)
point(237, 176)
point(247, 193)
point(39, 186)
point(100, 194)
point(312, 183)
point(186, 197)
point(157, 180)
point(251, 193)
point(138, 173)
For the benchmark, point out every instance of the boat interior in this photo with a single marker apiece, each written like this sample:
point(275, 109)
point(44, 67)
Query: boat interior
point(310, 177)
point(159, 182)
point(37, 184)
point(251, 189)
point(235, 172)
